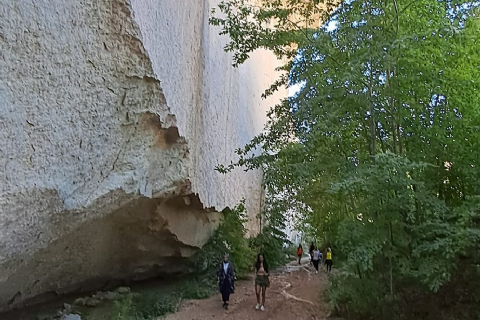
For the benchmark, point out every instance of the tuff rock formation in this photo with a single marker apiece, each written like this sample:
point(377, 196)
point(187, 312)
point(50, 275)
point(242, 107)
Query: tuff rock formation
point(113, 115)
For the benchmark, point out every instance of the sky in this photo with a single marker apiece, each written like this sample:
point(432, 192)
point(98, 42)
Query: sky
point(294, 89)
point(330, 26)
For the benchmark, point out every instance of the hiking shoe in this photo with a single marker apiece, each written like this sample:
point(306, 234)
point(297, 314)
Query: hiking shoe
point(262, 308)
point(257, 306)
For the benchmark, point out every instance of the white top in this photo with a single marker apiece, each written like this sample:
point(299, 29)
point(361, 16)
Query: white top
point(317, 255)
point(225, 266)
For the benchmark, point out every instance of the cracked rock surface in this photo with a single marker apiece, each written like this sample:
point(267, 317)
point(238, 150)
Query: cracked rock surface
point(113, 116)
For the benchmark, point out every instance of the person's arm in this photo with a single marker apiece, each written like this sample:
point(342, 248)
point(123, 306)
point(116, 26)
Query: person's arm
point(234, 277)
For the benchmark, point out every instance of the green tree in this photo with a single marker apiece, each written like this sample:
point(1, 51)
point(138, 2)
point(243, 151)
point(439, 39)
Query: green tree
point(228, 238)
point(379, 150)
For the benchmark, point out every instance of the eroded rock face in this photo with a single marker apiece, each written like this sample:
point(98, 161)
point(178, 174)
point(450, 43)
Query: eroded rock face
point(113, 115)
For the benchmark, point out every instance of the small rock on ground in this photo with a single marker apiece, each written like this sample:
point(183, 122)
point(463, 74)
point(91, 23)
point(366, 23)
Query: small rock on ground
point(93, 303)
point(71, 317)
point(123, 290)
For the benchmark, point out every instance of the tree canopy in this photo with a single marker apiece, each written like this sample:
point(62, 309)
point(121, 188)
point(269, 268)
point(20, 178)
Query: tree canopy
point(378, 152)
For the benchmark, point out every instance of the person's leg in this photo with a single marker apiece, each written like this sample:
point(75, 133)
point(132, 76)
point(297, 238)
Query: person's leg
point(225, 292)
point(257, 293)
point(220, 287)
point(315, 265)
point(299, 260)
point(228, 291)
point(264, 290)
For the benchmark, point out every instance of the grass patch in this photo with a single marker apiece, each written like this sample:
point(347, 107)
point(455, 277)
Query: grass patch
point(152, 304)
point(146, 306)
point(198, 289)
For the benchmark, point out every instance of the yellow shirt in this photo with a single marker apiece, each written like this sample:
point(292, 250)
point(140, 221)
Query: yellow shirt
point(329, 256)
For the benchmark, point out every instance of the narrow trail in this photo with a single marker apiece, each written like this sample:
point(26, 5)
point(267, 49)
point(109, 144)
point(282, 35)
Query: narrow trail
point(295, 293)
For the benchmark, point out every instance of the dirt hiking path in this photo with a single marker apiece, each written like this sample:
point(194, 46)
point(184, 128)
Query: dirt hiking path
point(295, 293)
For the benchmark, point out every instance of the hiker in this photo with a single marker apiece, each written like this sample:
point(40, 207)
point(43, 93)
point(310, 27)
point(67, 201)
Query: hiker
point(226, 280)
point(310, 252)
point(328, 260)
point(299, 254)
point(262, 281)
point(317, 259)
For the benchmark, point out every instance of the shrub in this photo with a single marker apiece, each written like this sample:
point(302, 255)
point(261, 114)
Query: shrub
point(228, 238)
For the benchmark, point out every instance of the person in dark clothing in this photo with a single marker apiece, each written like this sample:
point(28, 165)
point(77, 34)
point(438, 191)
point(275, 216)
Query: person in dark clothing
point(226, 280)
point(310, 252)
point(262, 281)
point(317, 259)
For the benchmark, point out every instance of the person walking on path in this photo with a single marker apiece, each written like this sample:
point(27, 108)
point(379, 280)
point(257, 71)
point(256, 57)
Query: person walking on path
point(310, 251)
point(317, 259)
point(262, 282)
point(328, 260)
point(300, 254)
point(226, 279)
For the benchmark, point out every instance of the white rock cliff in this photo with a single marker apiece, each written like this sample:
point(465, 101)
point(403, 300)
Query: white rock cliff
point(113, 116)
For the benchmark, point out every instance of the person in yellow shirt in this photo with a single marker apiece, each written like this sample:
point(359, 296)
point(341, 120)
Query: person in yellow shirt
point(328, 260)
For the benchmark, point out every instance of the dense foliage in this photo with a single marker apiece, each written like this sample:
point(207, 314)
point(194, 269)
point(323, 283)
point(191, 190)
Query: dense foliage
point(230, 237)
point(378, 153)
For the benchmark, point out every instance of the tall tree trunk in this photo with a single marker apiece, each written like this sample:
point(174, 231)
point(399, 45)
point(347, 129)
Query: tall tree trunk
point(394, 138)
point(390, 257)
point(391, 106)
point(373, 126)
point(400, 147)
